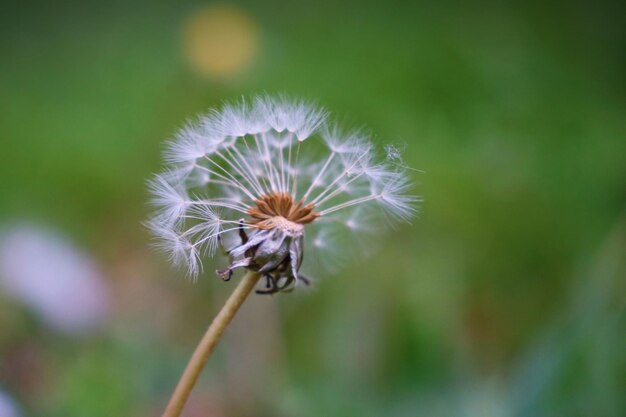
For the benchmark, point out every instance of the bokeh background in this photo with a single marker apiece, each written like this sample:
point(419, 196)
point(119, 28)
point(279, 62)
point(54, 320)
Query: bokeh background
point(504, 298)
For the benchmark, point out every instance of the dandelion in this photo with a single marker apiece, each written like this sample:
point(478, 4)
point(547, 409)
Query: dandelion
point(252, 178)
point(261, 181)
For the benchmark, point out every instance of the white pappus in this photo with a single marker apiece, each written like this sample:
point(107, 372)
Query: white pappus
point(255, 178)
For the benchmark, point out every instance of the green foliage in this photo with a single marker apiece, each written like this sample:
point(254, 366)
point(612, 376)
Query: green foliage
point(514, 113)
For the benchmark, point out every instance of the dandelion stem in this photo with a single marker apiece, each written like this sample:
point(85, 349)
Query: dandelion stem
point(208, 343)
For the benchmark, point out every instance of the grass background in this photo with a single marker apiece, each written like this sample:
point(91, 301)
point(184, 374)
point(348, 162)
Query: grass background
point(504, 298)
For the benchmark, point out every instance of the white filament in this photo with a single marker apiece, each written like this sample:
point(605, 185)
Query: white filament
point(212, 166)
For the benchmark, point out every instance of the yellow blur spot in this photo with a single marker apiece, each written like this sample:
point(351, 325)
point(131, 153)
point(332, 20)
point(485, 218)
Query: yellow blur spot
point(220, 41)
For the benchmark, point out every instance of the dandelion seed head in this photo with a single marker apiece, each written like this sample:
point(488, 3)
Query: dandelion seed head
point(258, 176)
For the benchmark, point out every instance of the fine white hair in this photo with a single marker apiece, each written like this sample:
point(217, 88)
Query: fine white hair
point(220, 165)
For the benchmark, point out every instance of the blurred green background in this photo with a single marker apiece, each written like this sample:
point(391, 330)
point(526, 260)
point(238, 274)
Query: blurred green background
point(504, 298)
